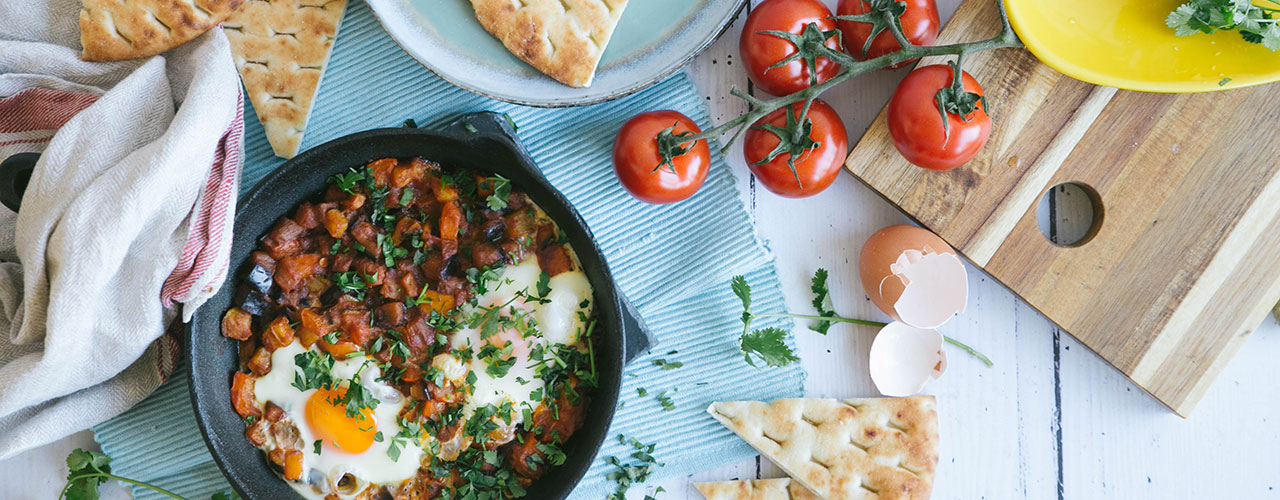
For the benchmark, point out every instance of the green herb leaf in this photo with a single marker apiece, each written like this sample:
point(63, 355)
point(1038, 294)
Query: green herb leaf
point(821, 301)
point(743, 291)
point(768, 345)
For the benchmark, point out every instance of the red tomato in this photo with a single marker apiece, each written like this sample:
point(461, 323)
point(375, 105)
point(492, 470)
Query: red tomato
point(919, 23)
point(759, 50)
point(637, 161)
point(817, 168)
point(916, 124)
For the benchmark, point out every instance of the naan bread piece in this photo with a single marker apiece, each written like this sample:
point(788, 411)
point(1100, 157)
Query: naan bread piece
point(282, 48)
point(855, 449)
point(758, 489)
point(562, 38)
point(114, 30)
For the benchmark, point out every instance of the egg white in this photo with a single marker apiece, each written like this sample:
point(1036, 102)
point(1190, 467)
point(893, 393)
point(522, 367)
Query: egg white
point(372, 465)
point(559, 321)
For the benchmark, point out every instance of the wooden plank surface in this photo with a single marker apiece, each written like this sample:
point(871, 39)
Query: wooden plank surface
point(1050, 420)
point(1170, 283)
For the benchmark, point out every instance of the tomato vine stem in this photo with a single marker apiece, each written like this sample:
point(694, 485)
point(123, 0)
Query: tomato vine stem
point(849, 69)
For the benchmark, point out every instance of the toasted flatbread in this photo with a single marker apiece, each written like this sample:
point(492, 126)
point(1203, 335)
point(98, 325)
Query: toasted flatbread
point(874, 448)
point(282, 48)
point(758, 489)
point(114, 30)
point(562, 38)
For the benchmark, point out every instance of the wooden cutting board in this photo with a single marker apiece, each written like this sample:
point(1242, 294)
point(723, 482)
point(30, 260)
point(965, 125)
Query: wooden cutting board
point(1185, 262)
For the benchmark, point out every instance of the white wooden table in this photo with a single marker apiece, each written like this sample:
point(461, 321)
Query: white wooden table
point(1050, 420)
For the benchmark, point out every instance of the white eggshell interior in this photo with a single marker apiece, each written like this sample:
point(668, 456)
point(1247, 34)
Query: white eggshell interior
point(937, 289)
point(904, 358)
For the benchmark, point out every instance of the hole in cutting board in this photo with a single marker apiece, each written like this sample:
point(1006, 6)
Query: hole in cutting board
point(1070, 214)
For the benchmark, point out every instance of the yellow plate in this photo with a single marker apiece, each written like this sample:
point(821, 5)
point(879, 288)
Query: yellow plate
point(1125, 44)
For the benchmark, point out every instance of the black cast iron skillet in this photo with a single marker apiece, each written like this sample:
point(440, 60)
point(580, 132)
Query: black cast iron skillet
point(482, 142)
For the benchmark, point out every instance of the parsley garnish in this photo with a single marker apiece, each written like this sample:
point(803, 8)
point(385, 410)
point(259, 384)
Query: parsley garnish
point(635, 471)
point(351, 284)
point(358, 397)
point(87, 470)
point(769, 344)
point(667, 365)
point(390, 252)
point(821, 301)
point(1254, 22)
point(315, 370)
point(350, 180)
point(501, 192)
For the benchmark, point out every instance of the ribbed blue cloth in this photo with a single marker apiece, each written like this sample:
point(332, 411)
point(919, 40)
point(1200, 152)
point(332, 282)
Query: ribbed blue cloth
point(674, 263)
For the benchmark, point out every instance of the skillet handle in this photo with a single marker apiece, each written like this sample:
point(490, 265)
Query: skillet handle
point(637, 339)
point(15, 173)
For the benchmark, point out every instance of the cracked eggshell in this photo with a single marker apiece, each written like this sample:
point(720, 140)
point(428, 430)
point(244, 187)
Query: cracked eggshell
point(904, 358)
point(913, 276)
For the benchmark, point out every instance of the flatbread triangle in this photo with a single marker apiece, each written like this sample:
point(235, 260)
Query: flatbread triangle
point(562, 38)
point(756, 489)
point(853, 449)
point(282, 48)
point(114, 30)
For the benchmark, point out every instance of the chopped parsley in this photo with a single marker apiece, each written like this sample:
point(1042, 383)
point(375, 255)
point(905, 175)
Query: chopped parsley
point(501, 187)
point(349, 181)
point(632, 471)
point(313, 370)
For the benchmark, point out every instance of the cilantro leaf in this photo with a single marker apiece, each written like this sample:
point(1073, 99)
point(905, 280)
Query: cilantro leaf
point(1254, 23)
point(821, 301)
point(769, 345)
point(743, 291)
point(501, 192)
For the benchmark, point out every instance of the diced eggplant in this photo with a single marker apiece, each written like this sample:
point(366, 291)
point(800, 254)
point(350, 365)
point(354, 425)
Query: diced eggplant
point(256, 303)
point(260, 278)
point(494, 230)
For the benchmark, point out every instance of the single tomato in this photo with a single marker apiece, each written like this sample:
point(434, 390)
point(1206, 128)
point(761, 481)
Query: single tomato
point(815, 168)
point(919, 21)
point(638, 162)
point(759, 50)
point(916, 124)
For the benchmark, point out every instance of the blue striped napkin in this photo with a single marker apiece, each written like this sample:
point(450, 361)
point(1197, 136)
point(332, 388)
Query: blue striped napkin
point(674, 263)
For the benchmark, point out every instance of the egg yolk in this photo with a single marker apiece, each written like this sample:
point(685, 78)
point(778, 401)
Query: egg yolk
point(329, 422)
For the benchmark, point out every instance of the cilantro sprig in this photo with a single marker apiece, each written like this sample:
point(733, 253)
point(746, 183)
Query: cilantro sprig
point(1255, 23)
point(769, 344)
point(89, 470)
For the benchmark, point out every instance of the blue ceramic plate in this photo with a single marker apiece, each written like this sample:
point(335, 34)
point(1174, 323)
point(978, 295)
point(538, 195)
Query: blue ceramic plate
point(653, 39)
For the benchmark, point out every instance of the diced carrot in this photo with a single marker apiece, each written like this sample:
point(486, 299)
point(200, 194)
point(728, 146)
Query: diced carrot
point(312, 327)
point(339, 350)
point(381, 171)
point(242, 398)
point(406, 173)
point(293, 465)
point(436, 301)
point(450, 221)
point(354, 202)
point(405, 225)
point(444, 192)
point(335, 223)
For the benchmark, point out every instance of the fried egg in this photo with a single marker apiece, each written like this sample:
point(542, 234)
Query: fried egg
point(356, 445)
point(560, 318)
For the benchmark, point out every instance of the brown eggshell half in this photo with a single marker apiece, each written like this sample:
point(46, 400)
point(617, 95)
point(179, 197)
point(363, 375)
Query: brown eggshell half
point(876, 264)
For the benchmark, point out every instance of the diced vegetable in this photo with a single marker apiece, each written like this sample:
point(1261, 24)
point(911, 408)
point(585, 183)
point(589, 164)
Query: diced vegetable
point(237, 324)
